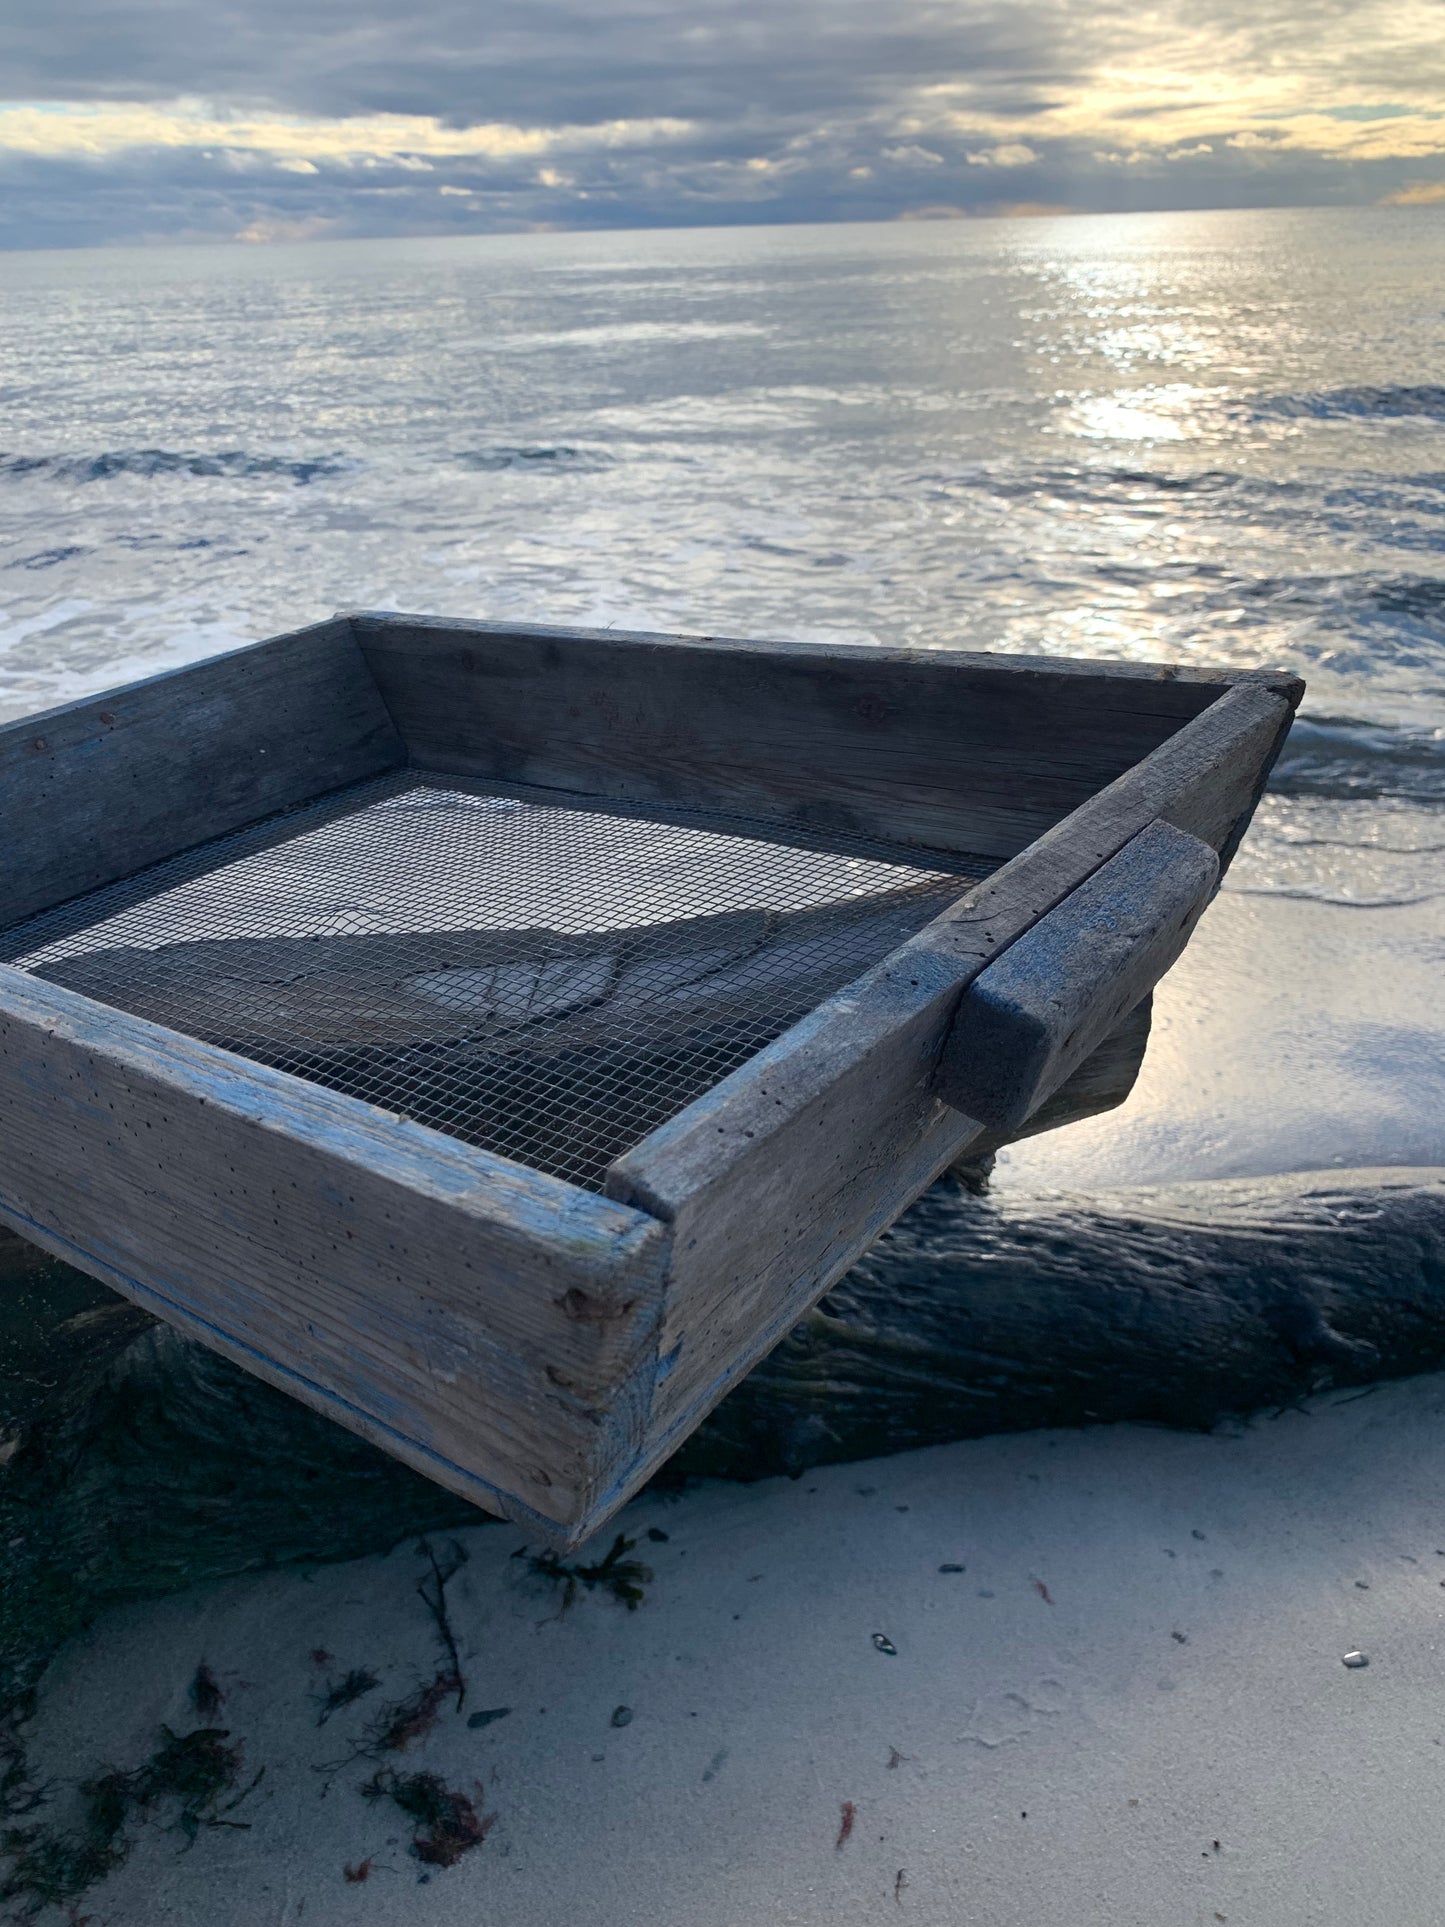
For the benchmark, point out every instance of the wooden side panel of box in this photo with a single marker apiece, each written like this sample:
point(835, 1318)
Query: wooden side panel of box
point(103, 787)
point(927, 749)
point(775, 1182)
point(495, 1328)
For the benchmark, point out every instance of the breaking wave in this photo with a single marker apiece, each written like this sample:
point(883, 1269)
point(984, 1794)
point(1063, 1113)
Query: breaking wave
point(1358, 404)
point(540, 457)
point(231, 463)
point(1350, 760)
point(237, 464)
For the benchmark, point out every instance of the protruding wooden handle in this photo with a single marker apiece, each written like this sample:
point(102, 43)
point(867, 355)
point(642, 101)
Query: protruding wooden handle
point(1043, 1006)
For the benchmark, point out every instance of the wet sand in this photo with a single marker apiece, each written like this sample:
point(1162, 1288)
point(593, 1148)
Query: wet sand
point(1292, 1035)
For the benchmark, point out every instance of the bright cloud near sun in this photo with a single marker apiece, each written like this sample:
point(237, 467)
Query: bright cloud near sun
point(101, 130)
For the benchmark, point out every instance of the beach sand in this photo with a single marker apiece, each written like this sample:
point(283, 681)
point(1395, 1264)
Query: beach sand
point(1130, 1705)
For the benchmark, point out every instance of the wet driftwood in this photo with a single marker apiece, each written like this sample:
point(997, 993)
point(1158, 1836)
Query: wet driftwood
point(1180, 1305)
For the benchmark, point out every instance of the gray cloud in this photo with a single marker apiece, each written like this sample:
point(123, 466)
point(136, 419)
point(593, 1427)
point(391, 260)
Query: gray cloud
point(530, 61)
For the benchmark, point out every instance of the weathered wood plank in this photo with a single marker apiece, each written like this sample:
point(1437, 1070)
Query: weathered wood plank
point(1037, 1012)
point(105, 786)
point(779, 1178)
point(493, 1327)
point(1203, 780)
point(929, 749)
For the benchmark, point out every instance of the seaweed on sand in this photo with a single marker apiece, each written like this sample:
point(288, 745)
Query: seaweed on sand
point(397, 1726)
point(624, 1578)
point(50, 1866)
point(412, 1718)
point(18, 1795)
point(446, 1823)
point(435, 1602)
point(403, 1721)
point(205, 1693)
point(340, 1693)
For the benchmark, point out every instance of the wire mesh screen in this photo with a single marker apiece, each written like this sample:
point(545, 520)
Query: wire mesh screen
point(547, 982)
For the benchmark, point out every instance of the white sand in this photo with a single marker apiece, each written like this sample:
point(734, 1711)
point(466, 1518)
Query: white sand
point(761, 1704)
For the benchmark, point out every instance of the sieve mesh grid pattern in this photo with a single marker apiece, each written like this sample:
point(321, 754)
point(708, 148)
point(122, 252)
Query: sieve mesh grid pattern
point(544, 980)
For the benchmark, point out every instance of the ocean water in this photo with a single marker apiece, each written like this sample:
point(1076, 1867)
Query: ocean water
point(1203, 437)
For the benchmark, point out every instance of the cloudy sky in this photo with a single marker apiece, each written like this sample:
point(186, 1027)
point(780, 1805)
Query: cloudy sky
point(272, 120)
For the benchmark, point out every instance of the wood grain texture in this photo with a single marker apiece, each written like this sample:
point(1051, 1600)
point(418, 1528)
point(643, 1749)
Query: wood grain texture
point(1037, 1012)
point(928, 749)
point(103, 787)
point(492, 1327)
point(780, 1177)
